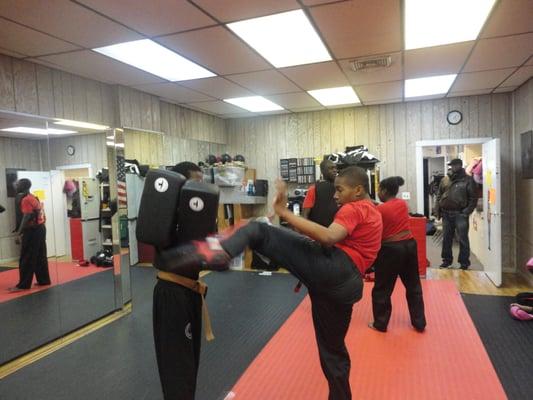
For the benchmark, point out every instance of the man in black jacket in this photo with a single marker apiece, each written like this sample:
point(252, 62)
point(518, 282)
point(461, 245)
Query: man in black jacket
point(456, 200)
point(319, 205)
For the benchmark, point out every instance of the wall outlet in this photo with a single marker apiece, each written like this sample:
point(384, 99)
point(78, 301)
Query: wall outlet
point(406, 195)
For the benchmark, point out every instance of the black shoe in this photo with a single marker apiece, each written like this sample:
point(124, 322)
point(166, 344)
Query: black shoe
point(445, 265)
point(420, 329)
point(464, 267)
point(371, 326)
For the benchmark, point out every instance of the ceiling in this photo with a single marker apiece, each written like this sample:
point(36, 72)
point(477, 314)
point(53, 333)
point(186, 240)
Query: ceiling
point(60, 34)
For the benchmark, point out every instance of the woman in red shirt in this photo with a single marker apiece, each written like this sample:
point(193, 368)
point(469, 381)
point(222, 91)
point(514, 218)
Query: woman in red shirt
point(397, 257)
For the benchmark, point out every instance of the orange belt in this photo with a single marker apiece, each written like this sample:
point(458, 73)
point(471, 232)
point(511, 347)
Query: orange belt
point(196, 286)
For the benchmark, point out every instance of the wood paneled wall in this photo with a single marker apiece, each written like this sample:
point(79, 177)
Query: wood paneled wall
point(183, 123)
point(138, 110)
point(14, 153)
point(145, 147)
point(35, 89)
point(523, 200)
point(389, 131)
point(90, 149)
point(178, 149)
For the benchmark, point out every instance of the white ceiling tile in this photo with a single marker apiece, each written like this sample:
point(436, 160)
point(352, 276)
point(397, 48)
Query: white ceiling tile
point(216, 49)
point(519, 77)
point(316, 76)
point(380, 91)
point(265, 82)
point(217, 87)
point(317, 2)
point(307, 109)
point(93, 65)
point(68, 21)
point(480, 80)
point(216, 107)
point(277, 112)
point(295, 100)
point(429, 97)
point(509, 17)
point(175, 92)
point(28, 41)
point(475, 92)
point(11, 53)
point(392, 73)
point(503, 52)
point(360, 28)
point(235, 10)
point(504, 89)
point(153, 18)
point(439, 60)
point(389, 101)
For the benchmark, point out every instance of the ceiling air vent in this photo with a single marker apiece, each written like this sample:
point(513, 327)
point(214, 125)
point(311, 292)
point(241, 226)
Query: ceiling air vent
point(370, 64)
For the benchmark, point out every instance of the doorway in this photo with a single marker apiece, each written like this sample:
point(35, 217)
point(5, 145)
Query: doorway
point(432, 157)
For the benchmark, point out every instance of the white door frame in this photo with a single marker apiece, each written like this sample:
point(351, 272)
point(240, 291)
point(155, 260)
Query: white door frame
point(89, 166)
point(420, 162)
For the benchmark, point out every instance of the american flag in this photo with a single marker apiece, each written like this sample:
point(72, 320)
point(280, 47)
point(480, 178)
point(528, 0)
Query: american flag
point(121, 182)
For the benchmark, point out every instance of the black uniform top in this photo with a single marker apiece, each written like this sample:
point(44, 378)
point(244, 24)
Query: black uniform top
point(324, 207)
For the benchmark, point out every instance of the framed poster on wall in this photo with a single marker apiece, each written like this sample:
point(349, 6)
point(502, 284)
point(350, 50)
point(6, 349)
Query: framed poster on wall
point(526, 148)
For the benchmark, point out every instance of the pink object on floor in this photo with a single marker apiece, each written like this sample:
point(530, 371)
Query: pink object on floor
point(529, 264)
point(520, 314)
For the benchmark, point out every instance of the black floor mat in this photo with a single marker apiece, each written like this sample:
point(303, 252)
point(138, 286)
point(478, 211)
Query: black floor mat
point(509, 343)
point(2, 269)
point(118, 361)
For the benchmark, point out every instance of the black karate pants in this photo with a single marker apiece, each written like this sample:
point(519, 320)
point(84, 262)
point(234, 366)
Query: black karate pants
point(397, 259)
point(33, 259)
point(177, 324)
point(334, 285)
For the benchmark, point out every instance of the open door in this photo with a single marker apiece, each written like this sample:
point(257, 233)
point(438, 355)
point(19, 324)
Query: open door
point(492, 210)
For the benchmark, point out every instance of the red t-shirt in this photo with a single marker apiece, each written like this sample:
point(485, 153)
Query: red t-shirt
point(395, 216)
point(363, 223)
point(309, 200)
point(31, 204)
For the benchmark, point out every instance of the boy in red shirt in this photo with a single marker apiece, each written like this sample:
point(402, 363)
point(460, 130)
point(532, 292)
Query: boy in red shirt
point(32, 237)
point(329, 260)
point(397, 257)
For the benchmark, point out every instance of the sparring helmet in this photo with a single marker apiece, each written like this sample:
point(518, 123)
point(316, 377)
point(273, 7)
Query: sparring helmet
point(226, 158)
point(239, 158)
point(211, 159)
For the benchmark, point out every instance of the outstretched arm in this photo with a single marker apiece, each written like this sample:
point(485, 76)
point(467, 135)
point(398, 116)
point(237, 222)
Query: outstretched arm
point(327, 236)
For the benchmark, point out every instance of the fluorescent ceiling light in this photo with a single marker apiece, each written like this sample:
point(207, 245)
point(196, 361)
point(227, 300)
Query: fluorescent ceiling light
point(437, 22)
point(110, 143)
point(79, 124)
point(38, 131)
point(335, 96)
point(151, 57)
point(254, 103)
point(283, 39)
point(428, 86)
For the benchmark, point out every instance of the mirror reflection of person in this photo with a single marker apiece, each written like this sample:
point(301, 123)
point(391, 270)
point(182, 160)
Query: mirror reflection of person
point(31, 235)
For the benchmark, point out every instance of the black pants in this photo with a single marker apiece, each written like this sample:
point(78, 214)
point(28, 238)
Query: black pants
point(33, 259)
point(177, 324)
point(334, 285)
point(455, 221)
point(397, 259)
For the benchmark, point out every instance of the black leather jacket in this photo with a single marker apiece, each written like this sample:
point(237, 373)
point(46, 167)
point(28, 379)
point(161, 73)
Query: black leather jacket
point(457, 192)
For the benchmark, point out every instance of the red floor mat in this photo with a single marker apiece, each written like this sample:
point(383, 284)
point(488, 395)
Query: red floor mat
point(448, 361)
point(64, 272)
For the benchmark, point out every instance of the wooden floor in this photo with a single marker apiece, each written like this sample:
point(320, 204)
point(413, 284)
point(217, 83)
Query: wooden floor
point(476, 282)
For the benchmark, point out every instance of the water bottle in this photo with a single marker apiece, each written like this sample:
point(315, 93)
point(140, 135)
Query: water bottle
point(296, 209)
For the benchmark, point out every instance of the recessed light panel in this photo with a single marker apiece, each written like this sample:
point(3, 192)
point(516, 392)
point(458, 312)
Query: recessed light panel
point(37, 131)
point(284, 39)
point(428, 86)
point(335, 96)
point(436, 22)
point(153, 58)
point(254, 104)
point(79, 124)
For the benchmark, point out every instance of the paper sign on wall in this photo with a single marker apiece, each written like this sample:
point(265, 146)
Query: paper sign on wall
point(488, 178)
point(39, 194)
point(492, 196)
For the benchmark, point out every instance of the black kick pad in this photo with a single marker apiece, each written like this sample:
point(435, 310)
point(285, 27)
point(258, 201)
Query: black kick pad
point(198, 209)
point(158, 211)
